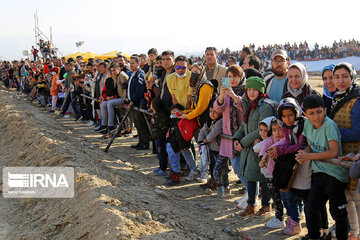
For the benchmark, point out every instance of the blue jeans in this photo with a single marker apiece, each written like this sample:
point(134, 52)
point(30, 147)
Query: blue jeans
point(253, 190)
point(291, 204)
point(174, 159)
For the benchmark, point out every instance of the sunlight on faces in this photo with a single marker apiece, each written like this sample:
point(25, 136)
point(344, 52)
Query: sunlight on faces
point(342, 79)
point(288, 117)
point(279, 66)
point(246, 63)
point(181, 64)
point(214, 115)
point(195, 69)
point(263, 130)
point(102, 69)
point(134, 65)
point(295, 77)
point(234, 79)
point(152, 57)
point(276, 131)
point(252, 93)
point(329, 81)
point(316, 116)
point(210, 57)
point(167, 61)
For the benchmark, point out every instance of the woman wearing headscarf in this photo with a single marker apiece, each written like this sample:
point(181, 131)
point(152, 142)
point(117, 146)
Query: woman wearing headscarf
point(345, 111)
point(297, 84)
point(329, 86)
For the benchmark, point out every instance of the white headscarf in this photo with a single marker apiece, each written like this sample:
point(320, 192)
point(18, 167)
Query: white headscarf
point(304, 76)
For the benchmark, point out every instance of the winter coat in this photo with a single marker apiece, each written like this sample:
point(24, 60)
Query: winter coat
point(212, 134)
point(247, 133)
point(226, 145)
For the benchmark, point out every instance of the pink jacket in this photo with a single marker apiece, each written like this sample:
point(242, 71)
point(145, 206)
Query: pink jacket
point(284, 146)
point(226, 145)
point(267, 143)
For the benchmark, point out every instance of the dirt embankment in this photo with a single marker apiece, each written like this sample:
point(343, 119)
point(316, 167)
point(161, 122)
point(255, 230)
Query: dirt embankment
point(116, 196)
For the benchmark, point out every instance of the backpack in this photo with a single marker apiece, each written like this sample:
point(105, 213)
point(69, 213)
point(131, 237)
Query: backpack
point(272, 103)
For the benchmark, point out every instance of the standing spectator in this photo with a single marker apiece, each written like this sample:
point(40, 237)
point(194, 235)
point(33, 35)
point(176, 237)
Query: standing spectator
point(329, 86)
point(34, 52)
point(243, 54)
point(251, 61)
point(213, 70)
point(276, 83)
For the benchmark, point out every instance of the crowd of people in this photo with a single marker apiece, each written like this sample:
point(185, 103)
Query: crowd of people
point(298, 52)
point(272, 128)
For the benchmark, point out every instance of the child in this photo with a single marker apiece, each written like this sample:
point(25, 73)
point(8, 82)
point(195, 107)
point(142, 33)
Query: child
point(328, 180)
point(209, 139)
point(55, 88)
point(267, 165)
point(41, 87)
point(244, 141)
point(160, 125)
point(291, 121)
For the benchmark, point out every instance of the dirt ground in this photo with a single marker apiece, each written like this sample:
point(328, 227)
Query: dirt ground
point(116, 194)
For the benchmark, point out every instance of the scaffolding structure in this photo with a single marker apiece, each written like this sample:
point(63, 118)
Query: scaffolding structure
point(40, 35)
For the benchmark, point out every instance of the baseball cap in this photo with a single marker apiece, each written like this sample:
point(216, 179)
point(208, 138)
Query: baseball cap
point(279, 52)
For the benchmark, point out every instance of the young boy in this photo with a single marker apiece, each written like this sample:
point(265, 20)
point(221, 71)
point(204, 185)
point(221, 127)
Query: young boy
point(328, 180)
point(209, 137)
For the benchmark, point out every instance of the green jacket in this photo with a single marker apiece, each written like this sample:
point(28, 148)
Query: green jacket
point(246, 134)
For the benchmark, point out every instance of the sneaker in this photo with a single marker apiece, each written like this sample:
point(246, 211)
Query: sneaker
point(192, 175)
point(51, 111)
point(242, 199)
point(204, 177)
point(208, 191)
point(263, 211)
point(156, 170)
point(227, 191)
point(161, 173)
point(99, 128)
point(90, 123)
point(249, 211)
point(219, 192)
point(275, 223)
point(77, 118)
point(292, 227)
point(352, 236)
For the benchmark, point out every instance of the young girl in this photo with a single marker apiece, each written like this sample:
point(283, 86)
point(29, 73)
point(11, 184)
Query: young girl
point(160, 125)
point(267, 167)
point(255, 110)
point(289, 116)
point(41, 87)
point(209, 141)
point(55, 88)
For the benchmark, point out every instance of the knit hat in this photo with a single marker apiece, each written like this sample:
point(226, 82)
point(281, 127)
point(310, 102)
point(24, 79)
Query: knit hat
point(255, 82)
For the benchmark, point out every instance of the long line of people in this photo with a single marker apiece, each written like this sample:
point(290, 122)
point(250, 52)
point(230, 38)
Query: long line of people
point(274, 131)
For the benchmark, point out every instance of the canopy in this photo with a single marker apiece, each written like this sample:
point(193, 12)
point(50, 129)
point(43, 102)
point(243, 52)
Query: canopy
point(73, 55)
point(88, 55)
point(111, 55)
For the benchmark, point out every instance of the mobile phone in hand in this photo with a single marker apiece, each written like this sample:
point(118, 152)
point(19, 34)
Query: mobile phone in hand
point(226, 82)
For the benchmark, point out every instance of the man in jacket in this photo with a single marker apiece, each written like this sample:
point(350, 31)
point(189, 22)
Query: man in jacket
point(213, 70)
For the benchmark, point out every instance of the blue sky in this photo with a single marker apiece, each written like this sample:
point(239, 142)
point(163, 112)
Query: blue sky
point(183, 26)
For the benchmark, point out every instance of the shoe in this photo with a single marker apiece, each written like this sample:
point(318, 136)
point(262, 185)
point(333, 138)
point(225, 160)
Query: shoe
point(90, 123)
point(275, 223)
point(66, 116)
point(142, 147)
point(193, 175)
point(156, 170)
point(263, 211)
point(211, 184)
point(135, 146)
point(51, 111)
point(208, 191)
point(161, 173)
point(219, 192)
point(242, 199)
point(174, 180)
point(135, 136)
point(77, 118)
point(326, 236)
point(238, 182)
point(108, 130)
point(249, 211)
point(292, 227)
point(352, 237)
point(203, 177)
point(99, 128)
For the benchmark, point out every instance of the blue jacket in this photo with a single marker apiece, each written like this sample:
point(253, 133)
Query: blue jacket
point(137, 88)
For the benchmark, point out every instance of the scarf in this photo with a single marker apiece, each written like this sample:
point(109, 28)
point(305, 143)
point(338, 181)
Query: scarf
point(296, 92)
point(233, 110)
point(195, 95)
point(253, 105)
point(295, 130)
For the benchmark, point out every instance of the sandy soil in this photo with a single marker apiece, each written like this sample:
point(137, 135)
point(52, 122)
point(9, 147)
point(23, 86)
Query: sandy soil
point(116, 194)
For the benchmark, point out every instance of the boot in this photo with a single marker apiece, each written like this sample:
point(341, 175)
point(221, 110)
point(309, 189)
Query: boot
point(249, 211)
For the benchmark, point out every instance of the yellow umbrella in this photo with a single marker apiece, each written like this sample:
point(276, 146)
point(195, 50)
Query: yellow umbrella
point(88, 55)
point(73, 55)
point(112, 55)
